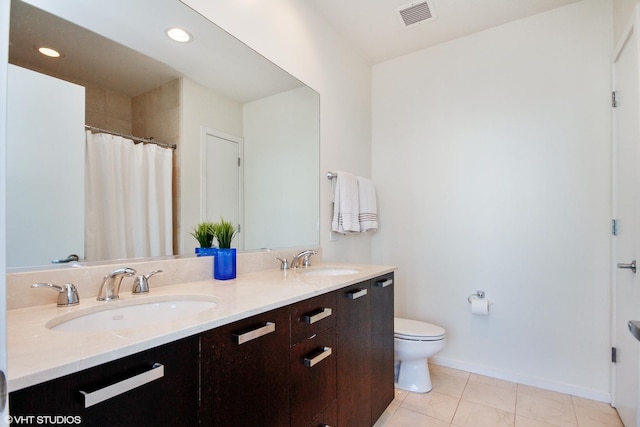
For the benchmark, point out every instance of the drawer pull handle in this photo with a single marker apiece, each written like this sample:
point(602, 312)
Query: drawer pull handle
point(323, 314)
point(106, 393)
point(326, 352)
point(255, 333)
point(355, 294)
point(384, 283)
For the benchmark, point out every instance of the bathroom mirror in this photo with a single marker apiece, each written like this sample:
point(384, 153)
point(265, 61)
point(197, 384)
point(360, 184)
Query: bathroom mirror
point(119, 50)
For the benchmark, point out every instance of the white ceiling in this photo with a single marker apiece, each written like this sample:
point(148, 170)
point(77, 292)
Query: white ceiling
point(374, 29)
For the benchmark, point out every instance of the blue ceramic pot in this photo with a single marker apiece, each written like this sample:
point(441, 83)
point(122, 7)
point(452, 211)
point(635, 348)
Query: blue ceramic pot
point(224, 264)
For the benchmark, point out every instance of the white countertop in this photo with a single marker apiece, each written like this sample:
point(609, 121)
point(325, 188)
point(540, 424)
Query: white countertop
point(37, 353)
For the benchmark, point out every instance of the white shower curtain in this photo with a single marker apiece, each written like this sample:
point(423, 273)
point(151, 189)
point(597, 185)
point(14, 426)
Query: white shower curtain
point(128, 198)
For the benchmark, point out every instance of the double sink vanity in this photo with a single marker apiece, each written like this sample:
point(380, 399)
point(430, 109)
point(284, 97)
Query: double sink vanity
point(299, 347)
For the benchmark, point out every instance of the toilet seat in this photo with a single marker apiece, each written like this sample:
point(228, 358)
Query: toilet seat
point(414, 330)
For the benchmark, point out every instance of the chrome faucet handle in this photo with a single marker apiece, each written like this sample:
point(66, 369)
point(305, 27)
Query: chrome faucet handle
point(110, 287)
point(306, 261)
point(141, 283)
point(68, 294)
point(284, 264)
point(304, 255)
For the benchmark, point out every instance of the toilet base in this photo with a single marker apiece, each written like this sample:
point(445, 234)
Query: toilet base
point(413, 375)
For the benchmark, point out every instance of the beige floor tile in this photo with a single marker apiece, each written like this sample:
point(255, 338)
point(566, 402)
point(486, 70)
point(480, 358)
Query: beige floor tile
point(433, 404)
point(590, 413)
point(490, 395)
point(481, 379)
point(388, 412)
point(406, 418)
point(386, 416)
point(471, 414)
point(400, 395)
point(448, 371)
point(547, 406)
point(446, 383)
point(461, 399)
point(546, 394)
point(528, 422)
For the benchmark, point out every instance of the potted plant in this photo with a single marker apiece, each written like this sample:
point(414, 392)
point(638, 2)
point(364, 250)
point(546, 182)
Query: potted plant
point(224, 264)
point(204, 234)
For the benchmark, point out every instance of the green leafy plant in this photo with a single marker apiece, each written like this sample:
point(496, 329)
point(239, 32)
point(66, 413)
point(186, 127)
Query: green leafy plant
point(204, 234)
point(224, 232)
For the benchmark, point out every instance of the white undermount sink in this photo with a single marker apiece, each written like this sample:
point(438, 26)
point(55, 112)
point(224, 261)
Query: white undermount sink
point(329, 271)
point(132, 313)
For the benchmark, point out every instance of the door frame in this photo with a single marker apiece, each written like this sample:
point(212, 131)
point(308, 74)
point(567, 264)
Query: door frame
point(630, 30)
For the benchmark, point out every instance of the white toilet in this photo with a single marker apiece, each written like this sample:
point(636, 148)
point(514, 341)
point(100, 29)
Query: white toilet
point(415, 342)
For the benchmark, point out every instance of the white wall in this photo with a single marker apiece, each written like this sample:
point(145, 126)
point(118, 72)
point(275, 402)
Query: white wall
point(293, 35)
point(200, 106)
point(281, 170)
point(492, 158)
point(622, 12)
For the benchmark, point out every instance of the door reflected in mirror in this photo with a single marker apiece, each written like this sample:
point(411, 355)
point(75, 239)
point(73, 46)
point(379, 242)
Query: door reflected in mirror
point(136, 81)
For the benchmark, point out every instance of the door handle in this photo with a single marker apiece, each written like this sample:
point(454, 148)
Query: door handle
point(631, 266)
point(70, 258)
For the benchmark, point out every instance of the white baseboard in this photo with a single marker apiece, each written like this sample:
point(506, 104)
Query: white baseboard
point(543, 383)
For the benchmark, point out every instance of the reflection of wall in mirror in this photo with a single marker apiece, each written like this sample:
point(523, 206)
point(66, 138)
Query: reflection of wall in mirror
point(281, 172)
point(200, 107)
point(45, 177)
point(108, 109)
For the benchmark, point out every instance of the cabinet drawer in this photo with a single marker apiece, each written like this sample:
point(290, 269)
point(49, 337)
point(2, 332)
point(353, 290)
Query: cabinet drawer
point(328, 417)
point(313, 377)
point(130, 392)
point(311, 316)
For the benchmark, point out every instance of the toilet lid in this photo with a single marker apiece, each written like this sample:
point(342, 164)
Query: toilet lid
point(413, 328)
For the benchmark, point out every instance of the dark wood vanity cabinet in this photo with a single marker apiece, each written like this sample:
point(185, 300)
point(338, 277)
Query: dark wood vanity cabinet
point(365, 351)
point(324, 361)
point(354, 355)
point(245, 372)
point(167, 394)
point(382, 373)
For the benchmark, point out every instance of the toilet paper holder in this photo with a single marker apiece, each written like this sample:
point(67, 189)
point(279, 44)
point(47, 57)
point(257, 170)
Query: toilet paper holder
point(478, 294)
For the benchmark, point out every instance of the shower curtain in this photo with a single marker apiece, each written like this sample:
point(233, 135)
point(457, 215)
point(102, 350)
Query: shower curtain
point(128, 193)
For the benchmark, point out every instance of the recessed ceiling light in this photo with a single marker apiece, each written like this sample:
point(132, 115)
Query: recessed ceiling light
point(179, 35)
point(50, 52)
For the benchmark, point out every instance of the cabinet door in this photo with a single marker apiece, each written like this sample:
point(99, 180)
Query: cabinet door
point(382, 377)
point(245, 372)
point(171, 399)
point(354, 355)
point(313, 377)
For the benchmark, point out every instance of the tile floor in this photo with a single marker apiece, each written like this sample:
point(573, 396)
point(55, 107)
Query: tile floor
point(461, 399)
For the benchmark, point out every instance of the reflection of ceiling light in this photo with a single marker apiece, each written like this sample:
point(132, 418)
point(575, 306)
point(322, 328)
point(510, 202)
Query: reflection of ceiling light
point(179, 35)
point(47, 51)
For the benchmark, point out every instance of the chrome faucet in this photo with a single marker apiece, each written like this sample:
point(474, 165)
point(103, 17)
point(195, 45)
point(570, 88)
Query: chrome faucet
point(111, 283)
point(304, 257)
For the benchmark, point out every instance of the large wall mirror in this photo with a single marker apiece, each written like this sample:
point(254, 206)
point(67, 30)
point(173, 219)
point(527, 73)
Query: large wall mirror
point(213, 98)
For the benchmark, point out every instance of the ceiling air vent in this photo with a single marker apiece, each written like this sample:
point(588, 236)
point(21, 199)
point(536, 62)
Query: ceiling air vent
point(415, 13)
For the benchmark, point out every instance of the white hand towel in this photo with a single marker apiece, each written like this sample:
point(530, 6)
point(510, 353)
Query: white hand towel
point(368, 215)
point(345, 204)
